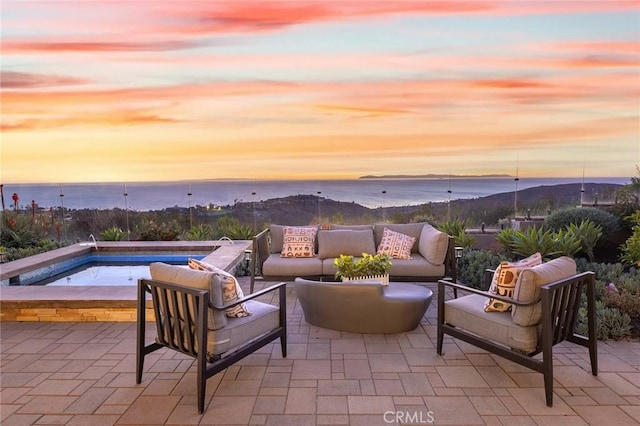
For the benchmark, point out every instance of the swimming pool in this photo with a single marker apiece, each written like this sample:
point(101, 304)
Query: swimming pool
point(103, 269)
point(101, 275)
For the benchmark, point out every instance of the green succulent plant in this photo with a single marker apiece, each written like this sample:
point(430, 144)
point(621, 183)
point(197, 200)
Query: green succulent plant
point(368, 265)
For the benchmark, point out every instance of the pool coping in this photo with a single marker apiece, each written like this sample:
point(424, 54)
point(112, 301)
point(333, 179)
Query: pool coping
point(96, 303)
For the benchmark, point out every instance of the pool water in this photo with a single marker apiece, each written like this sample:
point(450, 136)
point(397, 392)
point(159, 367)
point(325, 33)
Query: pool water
point(107, 275)
point(104, 270)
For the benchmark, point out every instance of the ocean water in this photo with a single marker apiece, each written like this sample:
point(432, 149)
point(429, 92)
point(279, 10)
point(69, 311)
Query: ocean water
point(371, 193)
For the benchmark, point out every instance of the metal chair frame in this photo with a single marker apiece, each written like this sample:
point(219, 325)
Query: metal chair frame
point(560, 304)
point(181, 317)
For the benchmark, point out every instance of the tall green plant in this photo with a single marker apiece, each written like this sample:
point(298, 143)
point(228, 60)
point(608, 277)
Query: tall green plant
point(631, 248)
point(200, 232)
point(453, 227)
point(112, 234)
point(457, 229)
point(536, 240)
point(588, 233)
point(505, 240)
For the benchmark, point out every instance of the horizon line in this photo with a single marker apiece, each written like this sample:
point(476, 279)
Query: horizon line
point(365, 177)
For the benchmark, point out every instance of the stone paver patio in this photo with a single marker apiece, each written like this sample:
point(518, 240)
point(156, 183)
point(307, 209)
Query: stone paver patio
point(83, 374)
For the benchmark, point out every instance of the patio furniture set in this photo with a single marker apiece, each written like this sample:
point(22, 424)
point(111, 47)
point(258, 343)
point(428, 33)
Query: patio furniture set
point(530, 306)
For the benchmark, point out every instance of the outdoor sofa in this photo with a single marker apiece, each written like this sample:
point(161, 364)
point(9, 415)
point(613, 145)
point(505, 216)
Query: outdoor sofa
point(431, 258)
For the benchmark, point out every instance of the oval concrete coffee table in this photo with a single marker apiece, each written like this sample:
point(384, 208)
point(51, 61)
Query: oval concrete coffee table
point(363, 307)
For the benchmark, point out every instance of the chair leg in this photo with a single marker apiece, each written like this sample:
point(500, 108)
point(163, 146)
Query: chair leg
point(139, 366)
point(548, 385)
point(441, 296)
point(283, 345)
point(593, 356)
point(201, 385)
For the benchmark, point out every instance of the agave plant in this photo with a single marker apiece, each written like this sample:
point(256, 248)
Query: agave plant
point(587, 234)
point(567, 243)
point(112, 234)
point(201, 232)
point(505, 240)
point(534, 240)
point(453, 227)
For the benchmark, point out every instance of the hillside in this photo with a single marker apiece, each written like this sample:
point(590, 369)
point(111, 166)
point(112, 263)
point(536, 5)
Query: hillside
point(305, 209)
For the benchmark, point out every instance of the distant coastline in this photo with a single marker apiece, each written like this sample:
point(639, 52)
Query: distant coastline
point(434, 176)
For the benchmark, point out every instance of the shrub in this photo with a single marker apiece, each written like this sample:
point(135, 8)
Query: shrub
point(19, 232)
point(610, 322)
point(618, 289)
point(562, 219)
point(42, 246)
point(474, 263)
point(631, 248)
point(160, 232)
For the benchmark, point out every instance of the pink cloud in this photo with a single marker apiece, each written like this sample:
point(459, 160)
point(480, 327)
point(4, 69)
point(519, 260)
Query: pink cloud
point(22, 80)
point(64, 46)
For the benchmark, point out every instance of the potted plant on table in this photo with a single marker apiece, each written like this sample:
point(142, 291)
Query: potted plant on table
point(368, 267)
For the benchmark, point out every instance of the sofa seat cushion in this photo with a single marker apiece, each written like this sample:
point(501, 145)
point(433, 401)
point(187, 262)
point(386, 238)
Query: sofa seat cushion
point(468, 313)
point(528, 287)
point(410, 229)
point(349, 242)
point(277, 266)
point(239, 330)
point(417, 266)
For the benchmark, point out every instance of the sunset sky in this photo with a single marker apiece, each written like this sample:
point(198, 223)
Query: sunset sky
point(144, 90)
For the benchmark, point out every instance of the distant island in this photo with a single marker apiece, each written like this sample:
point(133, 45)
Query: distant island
point(434, 176)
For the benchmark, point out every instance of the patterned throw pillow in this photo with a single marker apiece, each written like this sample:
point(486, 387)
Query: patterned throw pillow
point(298, 241)
point(504, 281)
point(230, 288)
point(395, 244)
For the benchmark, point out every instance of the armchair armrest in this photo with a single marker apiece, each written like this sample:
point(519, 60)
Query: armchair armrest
point(443, 283)
point(259, 253)
point(281, 286)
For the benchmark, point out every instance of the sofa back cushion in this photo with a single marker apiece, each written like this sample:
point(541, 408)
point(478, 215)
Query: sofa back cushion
point(528, 288)
point(410, 229)
point(352, 227)
point(433, 245)
point(202, 280)
point(351, 242)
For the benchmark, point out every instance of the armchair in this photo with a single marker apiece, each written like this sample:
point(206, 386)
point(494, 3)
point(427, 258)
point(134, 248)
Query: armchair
point(545, 307)
point(190, 315)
